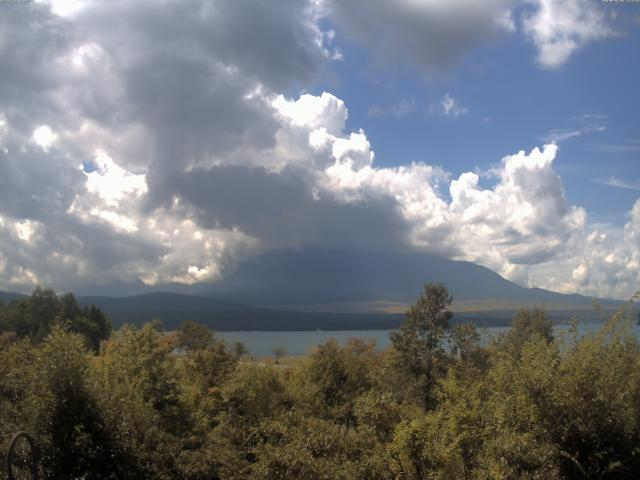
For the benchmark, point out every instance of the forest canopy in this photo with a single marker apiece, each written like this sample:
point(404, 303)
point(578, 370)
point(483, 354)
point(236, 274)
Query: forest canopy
point(439, 403)
point(33, 317)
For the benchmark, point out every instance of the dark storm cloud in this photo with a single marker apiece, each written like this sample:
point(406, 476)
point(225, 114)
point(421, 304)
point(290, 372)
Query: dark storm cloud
point(432, 34)
point(187, 80)
point(35, 184)
point(31, 39)
point(179, 91)
point(187, 71)
point(275, 42)
point(65, 252)
point(195, 112)
point(280, 209)
point(181, 70)
point(38, 188)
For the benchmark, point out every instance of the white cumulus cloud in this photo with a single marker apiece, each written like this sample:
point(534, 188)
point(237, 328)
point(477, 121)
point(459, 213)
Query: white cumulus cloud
point(558, 28)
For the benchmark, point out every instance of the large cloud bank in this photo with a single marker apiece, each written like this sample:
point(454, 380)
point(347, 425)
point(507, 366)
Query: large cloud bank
point(436, 34)
point(166, 149)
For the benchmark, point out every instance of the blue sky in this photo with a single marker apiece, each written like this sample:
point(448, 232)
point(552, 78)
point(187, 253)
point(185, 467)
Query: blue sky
point(150, 144)
point(512, 104)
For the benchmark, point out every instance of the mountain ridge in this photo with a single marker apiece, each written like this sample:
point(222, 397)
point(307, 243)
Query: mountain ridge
point(316, 276)
point(338, 290)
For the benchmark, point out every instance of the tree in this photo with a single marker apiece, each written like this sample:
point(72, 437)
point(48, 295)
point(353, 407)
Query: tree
point(100, 326)
point(194, 336)
point(240, 349)
point(252, 394)
point(527, 325)
point(54, 401)
point(297, 446)
point(68, 307)
point(137, 385)
point(333, 377)
point(378, 411)
point(466, 347)
point(89, 321)
point(33, 317)
point(210, 367)
point(418, 341)
point(279, 352)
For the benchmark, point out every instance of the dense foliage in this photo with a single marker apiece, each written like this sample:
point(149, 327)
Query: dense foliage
point(439, 403)
point(33, 318)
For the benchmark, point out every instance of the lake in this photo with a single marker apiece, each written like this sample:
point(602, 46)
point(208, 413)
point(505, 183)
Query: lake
point(261, 344)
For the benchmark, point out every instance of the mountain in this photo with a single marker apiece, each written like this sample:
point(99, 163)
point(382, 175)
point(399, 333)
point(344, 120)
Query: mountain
point(7, 297)
point(339, 290)
point(173, 308)
point(314, 276)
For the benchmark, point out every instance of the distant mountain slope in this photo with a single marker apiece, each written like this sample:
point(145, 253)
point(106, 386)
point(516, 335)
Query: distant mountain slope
point(7, 297)
point(322, 276)
point(172, 309)
point(337, 290)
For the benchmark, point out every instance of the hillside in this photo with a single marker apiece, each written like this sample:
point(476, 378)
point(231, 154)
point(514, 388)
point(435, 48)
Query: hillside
point(313, 276)
point(338, 290)
point(174, 308)
point(7, 297)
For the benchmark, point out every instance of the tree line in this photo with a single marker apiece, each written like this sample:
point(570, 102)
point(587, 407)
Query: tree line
point(439, 403)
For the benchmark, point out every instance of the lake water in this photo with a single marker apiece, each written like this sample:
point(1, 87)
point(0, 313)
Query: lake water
point(261, 344)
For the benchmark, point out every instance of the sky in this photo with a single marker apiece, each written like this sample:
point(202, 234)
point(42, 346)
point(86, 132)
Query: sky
point(164, 142)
